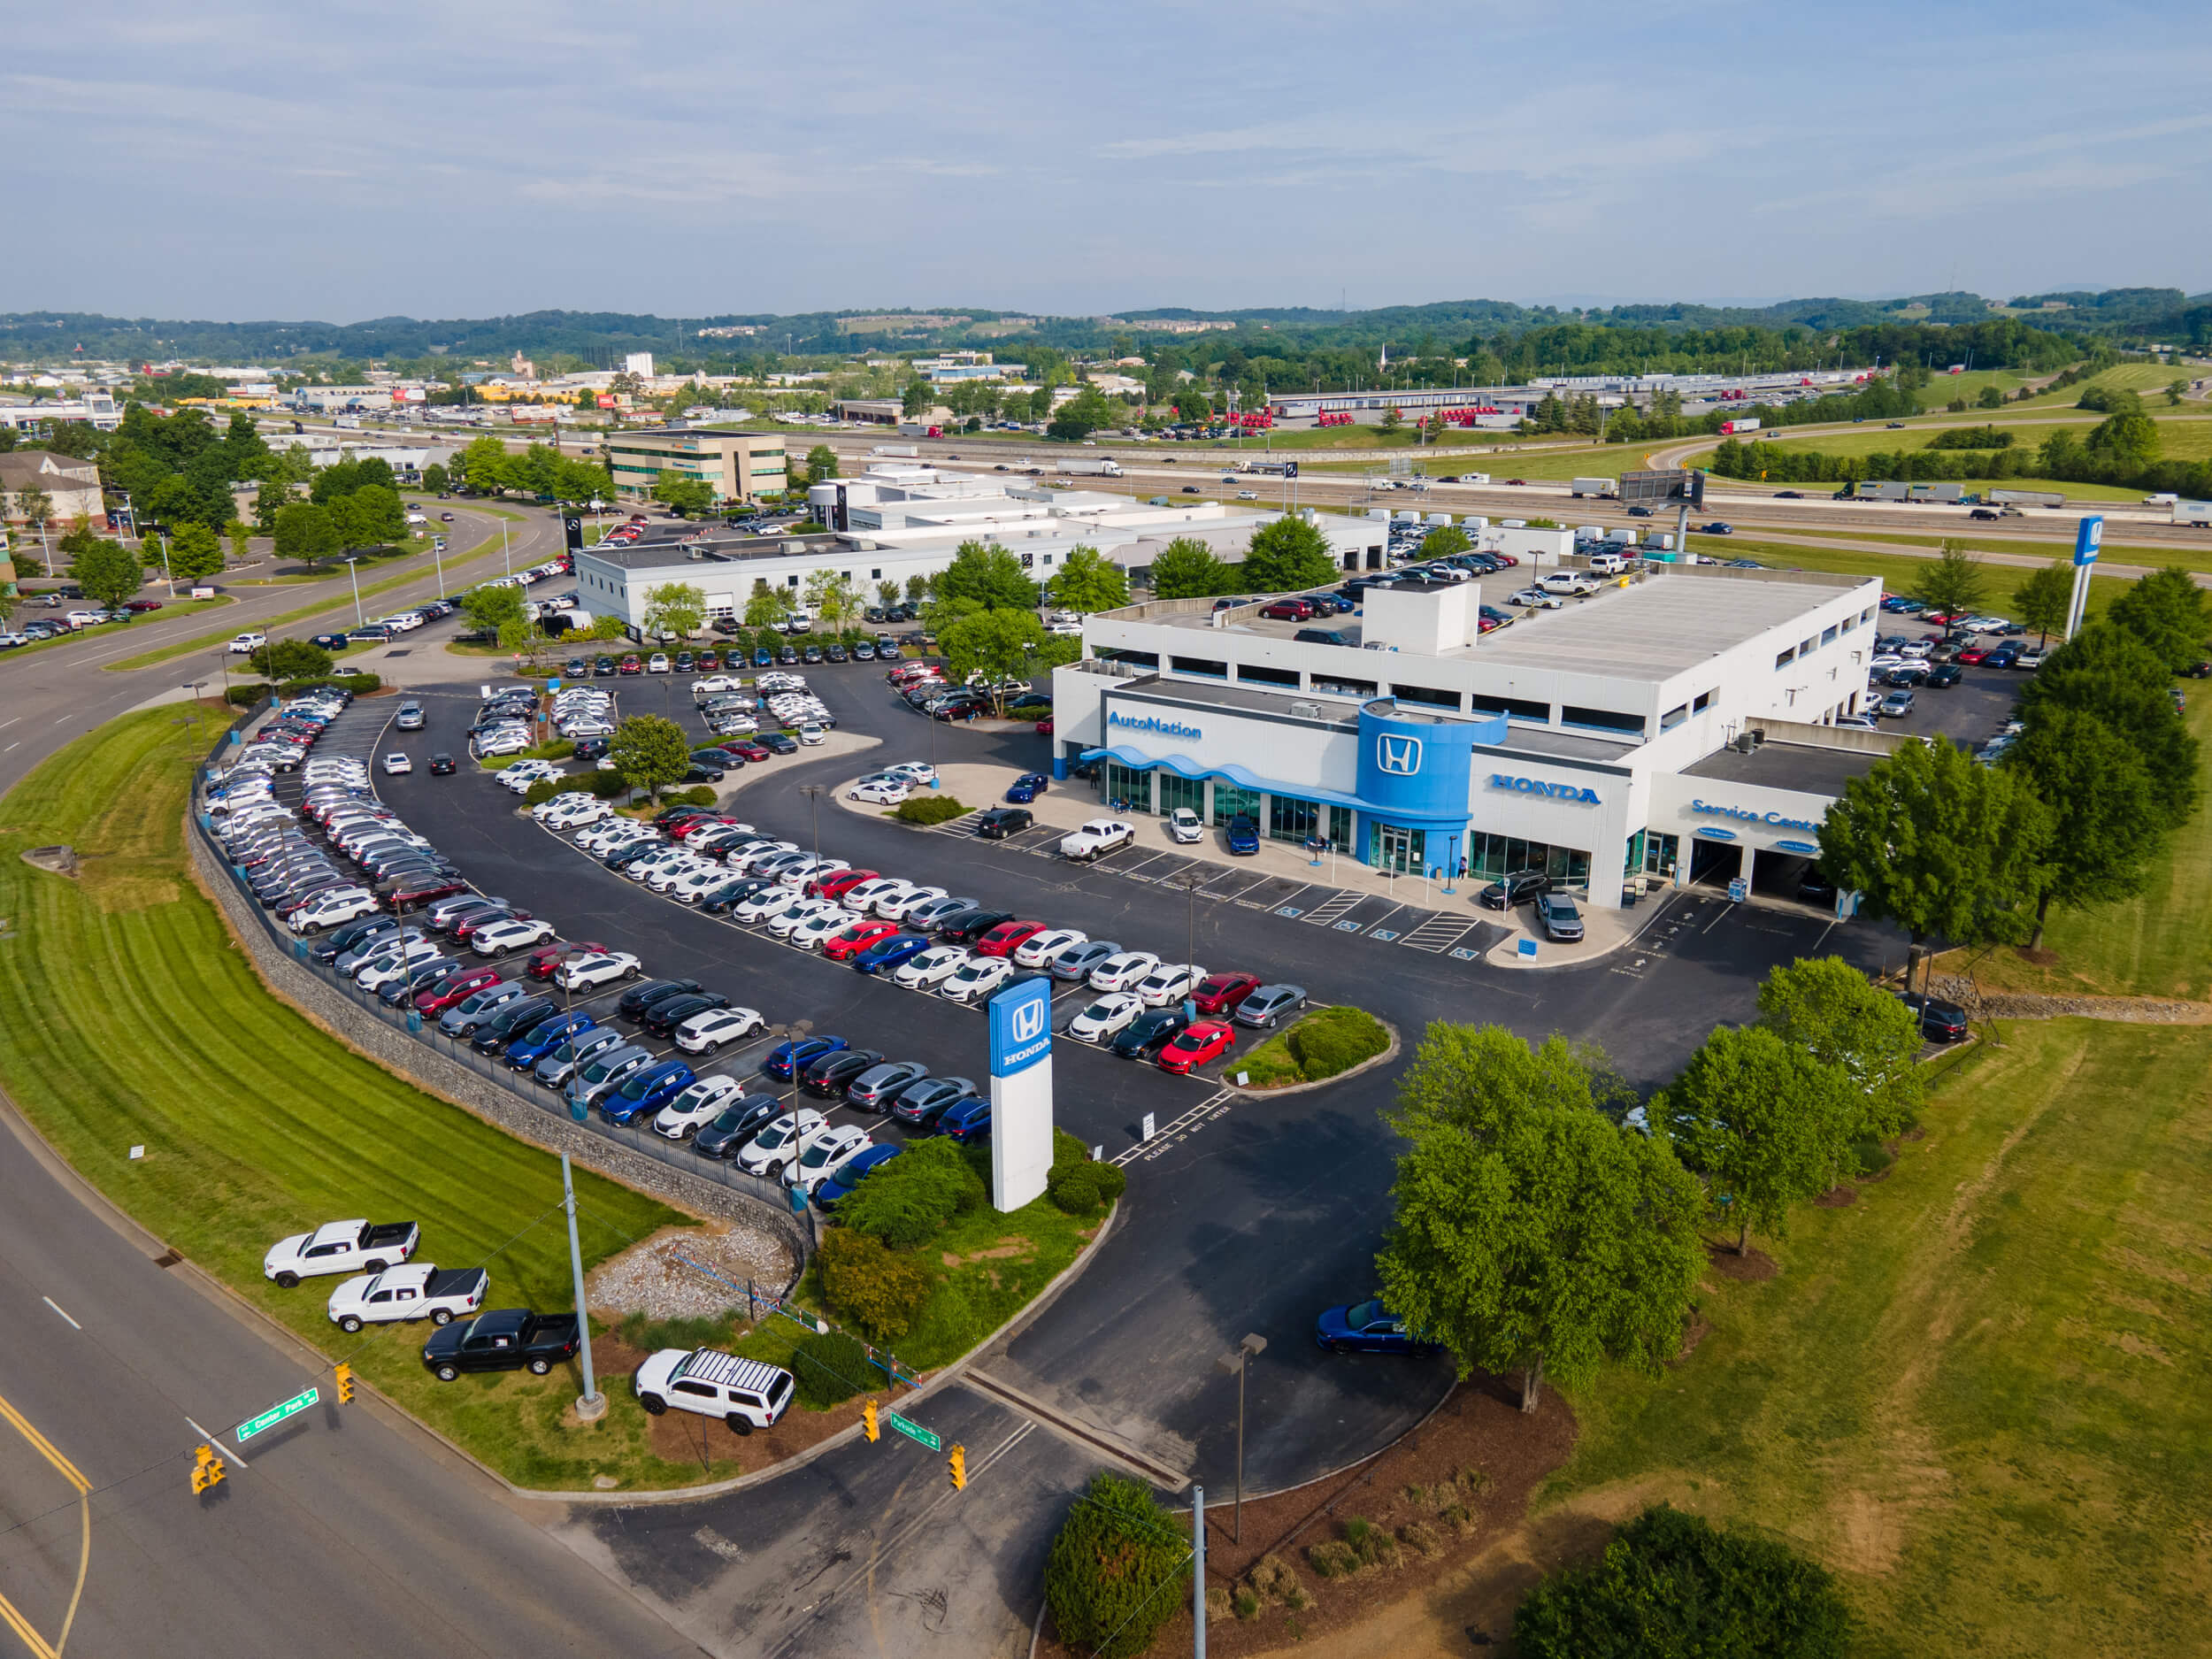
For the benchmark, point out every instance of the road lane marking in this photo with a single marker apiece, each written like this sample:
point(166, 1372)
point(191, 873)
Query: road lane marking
point(217, 1444)
point(57, 1307)
point(68, 1471)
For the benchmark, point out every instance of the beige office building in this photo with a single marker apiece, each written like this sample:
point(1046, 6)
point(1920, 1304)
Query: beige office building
point(743, 466)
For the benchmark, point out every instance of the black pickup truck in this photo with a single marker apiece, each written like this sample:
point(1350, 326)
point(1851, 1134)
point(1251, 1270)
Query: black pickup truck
point(511, 1339)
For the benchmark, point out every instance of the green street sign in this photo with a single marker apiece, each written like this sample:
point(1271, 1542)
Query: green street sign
point(275, 1415)
point(914, 1430)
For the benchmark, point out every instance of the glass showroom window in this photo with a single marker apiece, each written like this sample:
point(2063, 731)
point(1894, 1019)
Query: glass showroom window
point(1134, 789)
point(1229, 800)
point(1175, 790)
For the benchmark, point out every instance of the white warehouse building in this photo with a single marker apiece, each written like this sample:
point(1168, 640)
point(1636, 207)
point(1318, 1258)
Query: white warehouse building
point(1677, 725)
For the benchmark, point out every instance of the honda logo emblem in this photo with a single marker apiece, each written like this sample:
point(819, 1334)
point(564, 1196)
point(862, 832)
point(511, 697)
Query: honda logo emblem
point(1398, 754)
point(1028, 1021)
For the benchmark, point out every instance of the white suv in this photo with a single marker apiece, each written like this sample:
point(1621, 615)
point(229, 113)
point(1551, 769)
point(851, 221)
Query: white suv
point(745, 1393)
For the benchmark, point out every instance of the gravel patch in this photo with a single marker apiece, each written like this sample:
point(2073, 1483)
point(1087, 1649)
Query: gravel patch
point(661, 1277)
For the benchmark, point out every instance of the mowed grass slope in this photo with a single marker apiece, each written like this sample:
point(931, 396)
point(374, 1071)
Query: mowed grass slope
point(1978, 1392)
point(127, 1017)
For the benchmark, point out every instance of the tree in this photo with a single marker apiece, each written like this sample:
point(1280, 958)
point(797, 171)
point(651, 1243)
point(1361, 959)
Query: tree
point(916, 399)
point(107, 572)
point(435, 479)
point(493, 610)
point(1991, 398)
point(821, 464)
point(304, 532)
point(284, 660)
point(378, 517)
point(1828, 1008)
point(1080, 416)
point(649, 752)
point(675, 608)
point(2165, 610)
point(194, 551)
point(1956, 582)
point(1766, 1122)
point(2176, 390)
point(984, 578)
point(486, 465)
point(1531, 1232)
point(1443, 542)
point(886, 594)
point(1087, 580)
point(2044, 599)
point(240, 534)
point(1391, 422)
point(829, 595)
point(1671, 1585)
point(268, 501)
point(1187, 569)
point(607, 625)
point(1288, 554)
point(1939, 845)
point(917, 589)
point(2107, 827)
point(2128, 442)
point(2106, 672)
point(690, 496)
point(1117, 1571)
point(768, 607)
point(1003, 644)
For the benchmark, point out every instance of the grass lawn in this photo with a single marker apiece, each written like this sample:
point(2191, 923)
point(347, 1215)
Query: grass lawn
point(2156, 945)
point(1978, 1392)
point(2146, 377)
point(1898, 571)
point(2183, 437)
point(1944, 388)
point(1358, 1036)
point(127, 1018)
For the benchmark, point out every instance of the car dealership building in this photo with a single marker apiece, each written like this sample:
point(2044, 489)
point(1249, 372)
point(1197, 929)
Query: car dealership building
point(1677, 725)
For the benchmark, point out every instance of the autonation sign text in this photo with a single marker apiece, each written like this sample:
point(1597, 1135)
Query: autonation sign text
point(1150, 724)
point(1746, 815)
point(1538, 785)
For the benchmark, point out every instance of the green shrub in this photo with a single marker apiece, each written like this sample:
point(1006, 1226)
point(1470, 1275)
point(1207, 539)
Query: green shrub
point(1335, 1039)
point(703, 794)
point(1872, 1158)
point(1118, 1570)
point(829, 1368)
point(876, 1289)
point(1074, 1188)
point(608, 786)
point(244, 696)
point(928, 809)
point(1670, 1583)
point(360, 684)
point(908, 1200)
point(542, 791)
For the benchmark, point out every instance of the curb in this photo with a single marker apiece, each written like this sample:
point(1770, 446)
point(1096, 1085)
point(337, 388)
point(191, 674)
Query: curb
point(1368, 1064)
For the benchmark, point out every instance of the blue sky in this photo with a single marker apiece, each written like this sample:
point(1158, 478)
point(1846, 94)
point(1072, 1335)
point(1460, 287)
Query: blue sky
point(342, 161)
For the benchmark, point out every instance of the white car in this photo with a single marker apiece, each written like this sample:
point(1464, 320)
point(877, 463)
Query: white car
point(749, 861)
point(1186, 826)
point(1535, 598)
point(809, 733)
point(395, 763)
point(765, 906)
point(681, 1118)
point(933, 966)
point(1097, 838)
point(808, 870)
point(657, 664)
point(244, 642)
point(920, 772)
point(781, 1141)
point(1106, 1016)
point(1573, 584)
point(1045, 948)
point(977, 977)
point(418, 1291)
point(816, 931)
point(804, 912)
point(502, 937)
point(602, 967)
point(335, 909)
point(1122, 973)
point(825, 1154)
point(496, 744)
point(574, 811)
point(705, 1033)
point(897, 905)
point(883, 794)
point(381, 970)
point(1169, 982)
point(715, 682)
point(666, 879)
point(694, 884)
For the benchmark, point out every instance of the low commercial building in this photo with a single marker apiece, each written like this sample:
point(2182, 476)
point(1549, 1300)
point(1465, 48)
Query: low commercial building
point(334, 399)
point(98, 409)
point(1677, 726)
point(72, 486)
point(741, 465)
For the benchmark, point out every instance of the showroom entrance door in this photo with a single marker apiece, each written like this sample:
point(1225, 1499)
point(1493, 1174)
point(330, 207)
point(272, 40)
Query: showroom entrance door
point(1394, 848)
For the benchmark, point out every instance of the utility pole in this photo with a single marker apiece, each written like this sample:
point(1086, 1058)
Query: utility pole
point(591, 1405)
point(1241, 1362)
point(1198, 1573)
point(355, 573)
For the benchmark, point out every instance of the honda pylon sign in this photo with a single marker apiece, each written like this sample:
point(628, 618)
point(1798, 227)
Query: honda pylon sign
point(1021, 1094)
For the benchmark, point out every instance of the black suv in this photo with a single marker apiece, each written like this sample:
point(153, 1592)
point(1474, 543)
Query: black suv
point(1516, 887)
point(1939, 1022)
point(1001, 821)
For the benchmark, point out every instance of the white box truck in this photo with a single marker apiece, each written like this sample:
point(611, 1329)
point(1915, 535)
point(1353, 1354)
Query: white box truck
point(1602, 488)
point(2197, 513)
point(1101, 468)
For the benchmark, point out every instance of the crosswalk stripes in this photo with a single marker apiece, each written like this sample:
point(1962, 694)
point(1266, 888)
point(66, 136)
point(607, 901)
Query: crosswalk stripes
point(1438, 933)
point(1324, 914)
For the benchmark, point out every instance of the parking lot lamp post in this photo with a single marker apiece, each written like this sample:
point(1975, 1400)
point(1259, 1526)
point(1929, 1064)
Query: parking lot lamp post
point(1236, 1364)
point(591, 1405)
point(505, 569)
point(813, 792)
point(353, 572)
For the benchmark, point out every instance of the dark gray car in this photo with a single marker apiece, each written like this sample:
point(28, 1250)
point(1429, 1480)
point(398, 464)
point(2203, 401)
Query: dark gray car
point(1563, 923)
point(1076, 965)
point(557, 1067)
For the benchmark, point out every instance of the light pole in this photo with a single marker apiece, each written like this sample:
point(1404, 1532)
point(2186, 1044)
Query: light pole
point(591, 1405)
point(165, 576)
point(1236, 1364)
point(503, 567)
point(813, 792)
point(356, 575)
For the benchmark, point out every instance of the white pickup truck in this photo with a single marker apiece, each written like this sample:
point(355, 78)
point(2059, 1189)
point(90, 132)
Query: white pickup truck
point(1097, 838)
point(243, 643)
point(417, 1291)
point(340, 1246)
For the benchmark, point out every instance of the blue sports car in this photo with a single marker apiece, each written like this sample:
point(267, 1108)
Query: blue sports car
point(1367, 1327)
point(887, 953)
point(1027, 788)
point(1244, 836)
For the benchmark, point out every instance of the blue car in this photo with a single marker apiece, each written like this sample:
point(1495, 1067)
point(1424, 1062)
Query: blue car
point(840, 1186)
point(966, 1121)
point(1367, 1327)
point(764, 658)
point(1027, 788)
point(1244, 836)
point(887, 953)
point(646, 1090)
point(787, 1059)
point(542, 1038)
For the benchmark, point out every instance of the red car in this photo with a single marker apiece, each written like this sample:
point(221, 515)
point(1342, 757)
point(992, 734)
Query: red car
point(850, 942)
point(838, 884)
point(142, 605)
point(1517, 480)
point(750, 750)
point(1943, 619)
point(451, 991)
point(1288, 610)
point(542, 963)
point(631, 666)
point(1001, 940)
point(1974, 654)
point(705, 820)
point(1220, 993)
point(707, 662)
point(1044, 729)
point(1206, 1041)
point(401, 898)
point(467, 928)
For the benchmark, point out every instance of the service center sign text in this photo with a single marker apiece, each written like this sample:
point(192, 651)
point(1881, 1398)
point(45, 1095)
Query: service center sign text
point(1746, 815)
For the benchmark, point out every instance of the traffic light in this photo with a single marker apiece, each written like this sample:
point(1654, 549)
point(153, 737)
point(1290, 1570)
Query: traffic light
point(207, 1469)
point(958, 1463)
point(868, 1416)
point(345, 1383)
